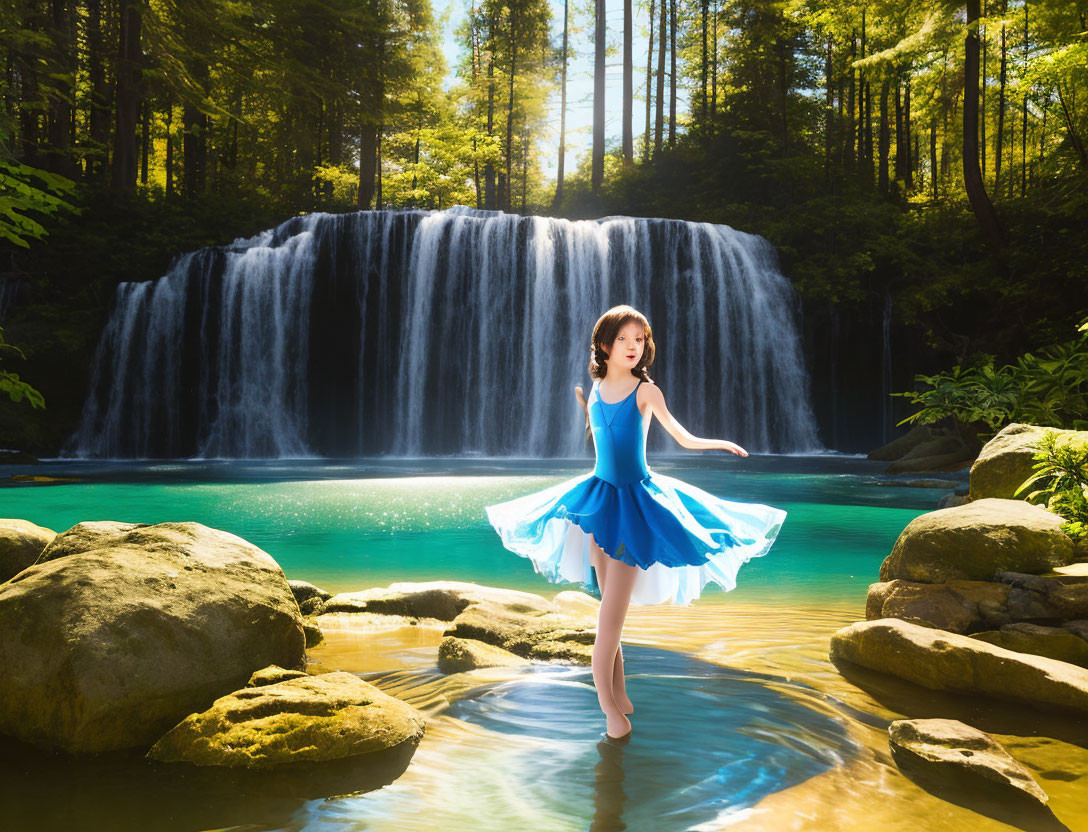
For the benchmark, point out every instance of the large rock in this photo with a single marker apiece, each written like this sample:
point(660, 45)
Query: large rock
point(957, 606)
point(528, 633)
point(941, 660)
point(974, 541)
point(970, 606)
point(124, 628)
point(1052, 642)
point(20, 544)
point(1005, 462)
point(900, 446)
point(311, 599)
point(1054, 597)
point(952, 461)
point(311, 719)
point(948, 750)
point(456, 655)
point(938, 446)
point(444, 600)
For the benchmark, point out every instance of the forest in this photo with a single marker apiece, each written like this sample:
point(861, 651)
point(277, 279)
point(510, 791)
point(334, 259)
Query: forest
point(928, 151)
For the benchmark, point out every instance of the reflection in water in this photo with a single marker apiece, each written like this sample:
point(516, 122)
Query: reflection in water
point(610, 796)
point(124, 792)
point(707, 741)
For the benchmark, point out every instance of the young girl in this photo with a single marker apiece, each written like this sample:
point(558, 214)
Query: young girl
point(649, 538)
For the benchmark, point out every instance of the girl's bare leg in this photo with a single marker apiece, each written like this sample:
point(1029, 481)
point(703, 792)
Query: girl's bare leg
point(616, 597)
point(600, 562)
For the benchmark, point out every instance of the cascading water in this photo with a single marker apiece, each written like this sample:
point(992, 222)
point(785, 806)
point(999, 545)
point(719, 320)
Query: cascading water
point(457, 332)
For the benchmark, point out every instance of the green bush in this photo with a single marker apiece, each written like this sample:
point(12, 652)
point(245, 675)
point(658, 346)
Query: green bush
point(10, 383)
point(1061, 472)
point(1049, 388)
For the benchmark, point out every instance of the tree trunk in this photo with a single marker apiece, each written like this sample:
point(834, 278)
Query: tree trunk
point(933, 156)
point(662, 47)
point(704, 8)
point(59, 159)
point(900, 143)
point(972, 173)
point(562, 112)
point(378, 198)
point(145, 141)
point(982, 94)
point(883, 138)
point(99, 115)
point(490, 195)
point(849, 159)
point(998, 146)
point(647, 140)
point(714, 65)
point(829, 111)
point(628, 86)
point(597, 162)
point(475, 86)
point(507, 200)
point(368, 165)
point(1024, 116)
point(170, 146)
point(672, 74)
point(123, 168)
point(908, 156)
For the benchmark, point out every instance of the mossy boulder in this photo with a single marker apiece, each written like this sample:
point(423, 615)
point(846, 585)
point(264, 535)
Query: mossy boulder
point(444, 600)
point(20, 544)
point(529, 633)
point(1052, 642)
point(311, 599)
point(456, 655)
point(957, 606)
point(901, 445)
point(1006, 460)
point(121, 629)
point(940, 660)
point(974, 541)
point(310, 719)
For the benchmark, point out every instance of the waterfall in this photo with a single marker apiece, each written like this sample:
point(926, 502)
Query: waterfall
point(456, 332)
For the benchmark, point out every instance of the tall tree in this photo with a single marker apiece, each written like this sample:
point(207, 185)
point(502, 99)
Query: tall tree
point(597, 171)
point(972, 173)
point(672, 73)
point(123, 167)
point(628, 85)
point(647, 139)
point(563, 110)
point(662, 47)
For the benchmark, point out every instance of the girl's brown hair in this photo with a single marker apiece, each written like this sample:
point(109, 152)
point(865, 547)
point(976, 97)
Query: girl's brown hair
point(605, 331)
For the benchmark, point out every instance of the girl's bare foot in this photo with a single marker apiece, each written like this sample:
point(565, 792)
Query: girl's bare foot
point(619, 726)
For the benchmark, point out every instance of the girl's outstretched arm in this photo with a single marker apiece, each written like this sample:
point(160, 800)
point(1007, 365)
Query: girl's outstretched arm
point(657, 403)
point(580, 395)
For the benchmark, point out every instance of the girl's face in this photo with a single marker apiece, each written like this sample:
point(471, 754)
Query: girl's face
point(626, 350)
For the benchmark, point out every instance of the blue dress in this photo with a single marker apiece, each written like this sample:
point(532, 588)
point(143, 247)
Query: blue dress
point(679, 536)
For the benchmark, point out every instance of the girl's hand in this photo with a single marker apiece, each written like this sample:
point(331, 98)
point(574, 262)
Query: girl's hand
point(580, 396)
point(733, 447)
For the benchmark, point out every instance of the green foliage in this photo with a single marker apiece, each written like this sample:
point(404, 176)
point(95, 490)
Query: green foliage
point(1060, 481)
point(1048, 388)
point(11, 384)
point(21, 195)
